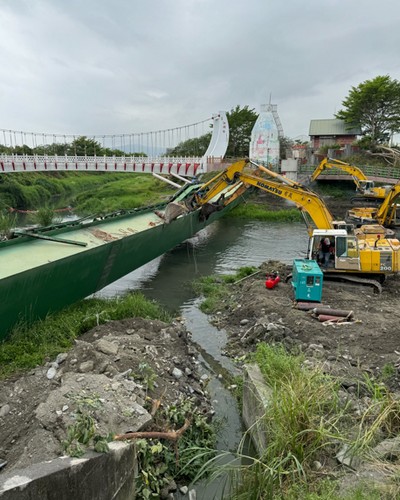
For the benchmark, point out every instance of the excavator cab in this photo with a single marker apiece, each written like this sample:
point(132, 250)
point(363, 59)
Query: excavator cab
point(365, 187)
point(344, 250)
point(347, 254)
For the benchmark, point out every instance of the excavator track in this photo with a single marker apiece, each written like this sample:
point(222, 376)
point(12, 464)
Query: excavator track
point(362, 199)
point(355, 279)
point(345, 277)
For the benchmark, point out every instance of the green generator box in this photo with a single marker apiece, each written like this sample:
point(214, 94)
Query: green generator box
point(307, 279)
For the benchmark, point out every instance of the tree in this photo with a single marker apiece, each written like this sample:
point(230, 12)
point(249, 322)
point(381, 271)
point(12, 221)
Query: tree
point(285, 146)
point(374, 106)
point(83, 146)
point(191, 147)
point(241, 122)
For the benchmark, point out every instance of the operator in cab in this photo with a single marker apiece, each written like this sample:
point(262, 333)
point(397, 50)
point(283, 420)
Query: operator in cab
point(324, 252)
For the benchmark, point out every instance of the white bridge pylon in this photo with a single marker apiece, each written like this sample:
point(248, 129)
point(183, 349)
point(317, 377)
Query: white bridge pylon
point(162, 165)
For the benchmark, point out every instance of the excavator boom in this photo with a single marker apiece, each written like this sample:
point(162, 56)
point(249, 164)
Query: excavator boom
point(355, 172)
point(365, 188)
point(305, 199)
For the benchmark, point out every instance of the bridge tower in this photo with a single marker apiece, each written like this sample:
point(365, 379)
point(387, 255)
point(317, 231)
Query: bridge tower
point(264, 144)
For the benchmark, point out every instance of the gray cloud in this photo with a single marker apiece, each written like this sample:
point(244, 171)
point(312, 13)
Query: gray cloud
point(99, 67)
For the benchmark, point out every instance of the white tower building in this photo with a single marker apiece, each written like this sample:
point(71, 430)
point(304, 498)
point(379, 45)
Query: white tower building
point(264, 145)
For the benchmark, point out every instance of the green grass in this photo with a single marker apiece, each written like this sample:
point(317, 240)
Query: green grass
point(328, 489)
point(28, 345)
point(45, 216)
point(306, 421)
point(293, 417)
point(259, 212)
point(215, 289)
point(125, 192)
point(7, 222)
point(87, 192)
point(340, 189)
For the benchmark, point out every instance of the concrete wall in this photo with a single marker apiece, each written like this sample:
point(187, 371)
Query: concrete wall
point(256, 395)
point(96, 476)
point(289, 165)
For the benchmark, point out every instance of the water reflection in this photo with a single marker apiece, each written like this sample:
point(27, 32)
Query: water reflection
point(220, 248)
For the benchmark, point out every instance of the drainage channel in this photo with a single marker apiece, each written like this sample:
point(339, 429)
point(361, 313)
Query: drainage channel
point(210, 343)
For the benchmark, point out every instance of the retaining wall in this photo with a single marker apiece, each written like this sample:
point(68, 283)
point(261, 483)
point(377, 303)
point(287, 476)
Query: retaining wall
point(256, 395)
point(96, 476)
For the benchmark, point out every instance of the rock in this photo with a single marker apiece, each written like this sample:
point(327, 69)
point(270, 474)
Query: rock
point(117, 403)
point(389, 449)
point(61, 357)
point(192, 495)
point(107, 347)
point(316, 465)
point(4, 410)
point(183, 490)
point(86, 366)
point(165, 492)
point(51, 373)
point(177, 373)
point(345, 456)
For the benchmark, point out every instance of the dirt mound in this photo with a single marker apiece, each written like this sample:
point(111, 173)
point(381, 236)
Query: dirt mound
point(367, 344)
point(113, 370)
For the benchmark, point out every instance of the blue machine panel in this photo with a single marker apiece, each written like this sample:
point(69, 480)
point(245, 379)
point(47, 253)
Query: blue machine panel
point(307, 280)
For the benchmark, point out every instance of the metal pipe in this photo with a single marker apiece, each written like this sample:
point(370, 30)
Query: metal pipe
point(180, 178)
point(166, 180)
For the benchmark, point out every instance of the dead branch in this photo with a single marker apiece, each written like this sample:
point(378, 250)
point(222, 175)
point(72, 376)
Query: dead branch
point(171, 435)
point(388, 154)
point(156, 403)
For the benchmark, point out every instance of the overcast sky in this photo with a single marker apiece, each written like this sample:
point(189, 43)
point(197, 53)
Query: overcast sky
point(125, 66)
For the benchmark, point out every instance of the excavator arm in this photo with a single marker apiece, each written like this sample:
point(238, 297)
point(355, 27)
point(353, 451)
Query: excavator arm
point(357, 174)
point(385, 214)
point(211, 189)
point(305, 199)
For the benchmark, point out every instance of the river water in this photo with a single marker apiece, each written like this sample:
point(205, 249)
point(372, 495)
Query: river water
point(221, 248)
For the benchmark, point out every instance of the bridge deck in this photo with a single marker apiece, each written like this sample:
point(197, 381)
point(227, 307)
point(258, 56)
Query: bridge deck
point(38, 252)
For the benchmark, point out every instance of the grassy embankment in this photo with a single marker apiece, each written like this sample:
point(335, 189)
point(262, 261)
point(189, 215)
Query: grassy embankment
point(307, 422)
point(86, 192)
point(29, 345)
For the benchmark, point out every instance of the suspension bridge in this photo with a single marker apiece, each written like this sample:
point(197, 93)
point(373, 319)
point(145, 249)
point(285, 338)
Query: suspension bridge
point(143, 152)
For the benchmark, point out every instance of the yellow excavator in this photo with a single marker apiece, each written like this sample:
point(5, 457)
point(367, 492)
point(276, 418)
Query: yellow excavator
point(366, 254)
point(365, 187)
point(385, 214)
